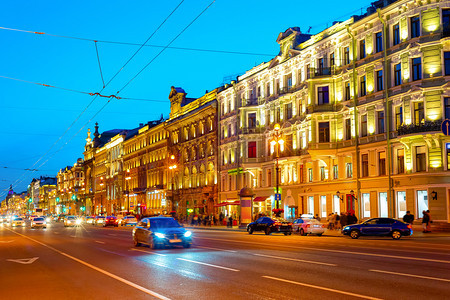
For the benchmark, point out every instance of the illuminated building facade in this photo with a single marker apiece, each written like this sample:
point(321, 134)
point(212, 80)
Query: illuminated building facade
point(69, 198)
point(192, 128)
point(360, 106)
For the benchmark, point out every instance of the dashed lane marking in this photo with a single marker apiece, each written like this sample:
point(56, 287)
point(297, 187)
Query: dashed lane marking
point(149, 252)
point(299, 260)
point(209, 265)
point(100, 242)
point(322, 288)
point(218, 249)
point(411, 275)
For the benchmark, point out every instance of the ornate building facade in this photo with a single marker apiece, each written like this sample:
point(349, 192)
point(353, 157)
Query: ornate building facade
point(360, 106)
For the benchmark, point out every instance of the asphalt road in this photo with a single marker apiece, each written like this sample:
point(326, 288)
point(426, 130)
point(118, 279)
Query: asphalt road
point(90, 262)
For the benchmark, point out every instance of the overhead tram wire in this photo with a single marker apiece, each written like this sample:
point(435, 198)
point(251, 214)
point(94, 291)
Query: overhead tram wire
point(99, 64)
point(136, 44)
point(96, 95)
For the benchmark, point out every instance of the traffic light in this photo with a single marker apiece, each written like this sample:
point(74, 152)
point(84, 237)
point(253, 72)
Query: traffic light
point(57, 199)
point(83, 208)
point(30, 200)
point(74, 197)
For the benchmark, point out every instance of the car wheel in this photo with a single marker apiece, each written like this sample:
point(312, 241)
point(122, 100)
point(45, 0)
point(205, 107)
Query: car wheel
point(396, 235)
point(290, 232)
point(187, 245)
point(286, 233)
point(354, 234)
point(152, 244)
point(250, 230)
point(302, 232)
point(267, 231)
point(319, 234)
point(135, 242)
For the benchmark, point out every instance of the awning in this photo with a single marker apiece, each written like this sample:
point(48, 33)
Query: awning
point(236, 202)
point(260, 199)
point(221, 204)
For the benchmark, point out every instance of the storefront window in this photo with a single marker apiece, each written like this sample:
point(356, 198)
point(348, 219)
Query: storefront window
point(422, 202)
point(336, 204)
point(366, 204)
point(401, 204)
point(383, 205)
point(311, 204)
point(323, 206)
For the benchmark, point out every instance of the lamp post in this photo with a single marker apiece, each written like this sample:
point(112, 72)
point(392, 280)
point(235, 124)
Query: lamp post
point(277, 141)
point(172, 167)
point(128, 177)
point(338, 195)
point(101, 195)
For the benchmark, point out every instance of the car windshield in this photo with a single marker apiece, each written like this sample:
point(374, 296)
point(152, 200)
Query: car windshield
point(130, 217)
point(38, 219)
point(17, 219)
point(281, 220)
point(71, 218)
point(99, 217)
point(163, 223)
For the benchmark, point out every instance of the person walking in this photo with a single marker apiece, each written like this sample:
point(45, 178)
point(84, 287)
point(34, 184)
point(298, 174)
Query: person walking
point(230, 221)
point(343, 220)
point(429, 221)
point(337, 223)
point(425, 221)
point(408, 218)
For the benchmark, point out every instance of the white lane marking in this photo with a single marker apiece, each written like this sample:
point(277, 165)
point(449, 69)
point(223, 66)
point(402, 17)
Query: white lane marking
point(112, 234)
point(411, 275)
point(299, 260)
point(218, 249)
point(210, 265)
point(149, 252)
point(10, 241)
point(322, 288)
point(24, 261)
point(337, 251)
point(73, 236)
point(127, 282)
point(100, 242)
point(56, 232)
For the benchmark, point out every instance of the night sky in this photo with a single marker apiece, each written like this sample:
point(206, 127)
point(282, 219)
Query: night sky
point(41, 126)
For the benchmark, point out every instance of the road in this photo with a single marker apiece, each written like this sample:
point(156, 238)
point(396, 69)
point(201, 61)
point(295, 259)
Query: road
point(92, 262)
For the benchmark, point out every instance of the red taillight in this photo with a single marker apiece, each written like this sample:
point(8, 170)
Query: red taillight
point(409, 226)
point(277, 224)
point(290, 224)
point(307, 225)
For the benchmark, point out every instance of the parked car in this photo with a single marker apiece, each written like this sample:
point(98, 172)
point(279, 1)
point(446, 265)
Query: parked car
point(38, 222)
point(110, 221)
point(98, 220)
point(90, 220)
point(161, 232)
point(128, 220)
point(379, 227)
point(71, 221)
point(306, 226)
point(17, 222)
point(270, 225)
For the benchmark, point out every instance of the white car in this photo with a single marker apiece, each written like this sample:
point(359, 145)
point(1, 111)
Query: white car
point(71, 221)
point(38, 222)
point(306, 226)
point(128, 220)
point(17, 222)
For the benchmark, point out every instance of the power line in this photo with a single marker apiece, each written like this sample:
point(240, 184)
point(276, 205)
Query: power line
point(99, 64)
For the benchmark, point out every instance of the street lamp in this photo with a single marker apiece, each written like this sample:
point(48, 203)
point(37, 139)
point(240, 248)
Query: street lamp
point(277, 141)
point(128, 177)
point(101, 196)
point(338, 195)
point(172, 167)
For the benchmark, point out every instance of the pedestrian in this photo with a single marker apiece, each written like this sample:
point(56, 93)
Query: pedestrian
point(230, 221)
point(429, 221)
point(425, 221)
point(337, 220)
point(343, 220)
point(408, 218)
point(195, 220)
point(317, 217)
point(221, 217)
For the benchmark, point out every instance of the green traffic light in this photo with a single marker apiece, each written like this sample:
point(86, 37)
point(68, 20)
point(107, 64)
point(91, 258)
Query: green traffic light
point(57, 199)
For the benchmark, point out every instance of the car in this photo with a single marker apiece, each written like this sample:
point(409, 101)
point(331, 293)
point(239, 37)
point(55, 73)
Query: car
point(71, 221)
point(306, 226)
point(128, 220)
point(90, 220)
point(161, 232)
point(379, 227)
point(17, 222)
point(270, 225)
point(111, 221)
point(98, 220)
point(38, 222)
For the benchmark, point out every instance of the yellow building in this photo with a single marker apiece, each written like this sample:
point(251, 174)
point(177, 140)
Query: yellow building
point(360, 106)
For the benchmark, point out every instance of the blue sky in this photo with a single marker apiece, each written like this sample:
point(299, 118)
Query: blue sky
point(34, 118)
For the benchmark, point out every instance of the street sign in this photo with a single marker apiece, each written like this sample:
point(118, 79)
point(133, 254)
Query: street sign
point(445, 127)
point(277, 197)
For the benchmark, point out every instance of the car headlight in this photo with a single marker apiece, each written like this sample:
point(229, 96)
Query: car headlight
point(48, 219)
point(346, 228)
point(78, 222)
point(187, 233)
point(160, 235)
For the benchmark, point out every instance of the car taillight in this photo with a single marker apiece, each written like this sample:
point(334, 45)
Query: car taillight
point(409, 226)
point(277, 224)
point(307, 225)
point(290, 224)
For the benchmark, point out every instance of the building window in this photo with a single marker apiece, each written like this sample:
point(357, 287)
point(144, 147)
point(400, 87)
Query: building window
point(347, 91)
point(323, 206)
point(363, 86)
point(415, 26)
point(321, 65)
point(336, 204)
point(364, 125)
point(382, 163)
point(446, 22)
point(310, 174)
point(416, 68)
point(447, 107)
point(396, 34)
point(366, 205)
point(362, 49)
point(348, 170)
point(348, 129)
point(421, 159)
point(379, 75)
point(332, 60)
point(251, 149)
point(229, 130)
point(422, 202)
point(378, 42)
point(397, 74)
point(447, 63)
point(269, 177)
point(400, 161)
point(447, 148)
point(252, 120)
point(418, 113)
point(324, 132)
point(323, 95)
point(398, 116)
point(364, 165)
point(289, 81)
point(383, 210)
point(288, 108)
point(311, 204)
point(322, 174)
point(347, 55)
point(335, 172)
point(401, 204)
point(380, 121)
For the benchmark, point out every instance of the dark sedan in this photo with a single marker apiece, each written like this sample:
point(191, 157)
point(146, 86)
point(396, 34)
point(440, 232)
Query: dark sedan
point(379, 227)
point(269, 225)
point(159, 232)
point(111, 221)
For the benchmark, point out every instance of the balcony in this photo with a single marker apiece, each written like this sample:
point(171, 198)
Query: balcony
point(426, 126)
point(251, 130)
point(250, 102)
point(319, 72)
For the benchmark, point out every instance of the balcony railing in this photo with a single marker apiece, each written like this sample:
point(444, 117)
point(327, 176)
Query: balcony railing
point(422, 127)
point(249, 130)
point(319, 72)
point(250, 102)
